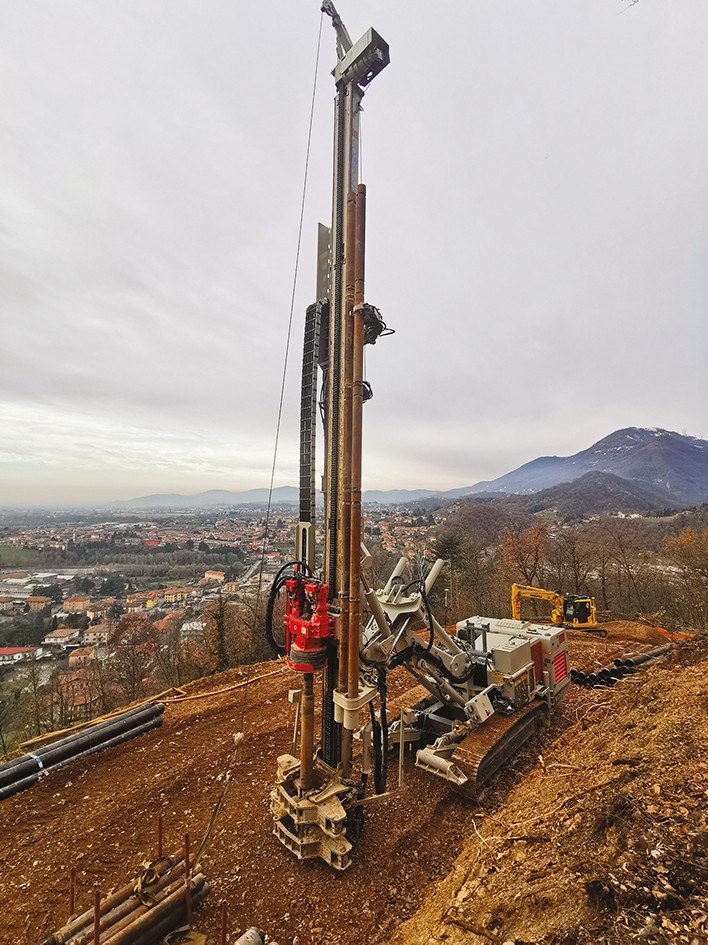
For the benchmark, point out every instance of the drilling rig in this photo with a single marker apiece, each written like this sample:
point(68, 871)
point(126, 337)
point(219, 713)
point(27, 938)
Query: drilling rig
point(485, 687)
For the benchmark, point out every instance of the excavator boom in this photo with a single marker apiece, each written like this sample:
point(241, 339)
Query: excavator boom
point(570, 610)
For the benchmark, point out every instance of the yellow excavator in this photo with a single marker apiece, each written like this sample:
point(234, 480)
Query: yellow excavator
point(568, 610)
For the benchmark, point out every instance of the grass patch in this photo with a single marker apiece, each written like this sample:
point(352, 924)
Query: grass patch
point(16, 557)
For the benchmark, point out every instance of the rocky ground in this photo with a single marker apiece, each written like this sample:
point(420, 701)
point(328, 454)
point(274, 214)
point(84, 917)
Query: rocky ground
point(596, 833)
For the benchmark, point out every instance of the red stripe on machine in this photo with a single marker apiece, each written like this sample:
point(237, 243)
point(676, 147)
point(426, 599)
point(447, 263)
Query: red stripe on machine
point(560, 667)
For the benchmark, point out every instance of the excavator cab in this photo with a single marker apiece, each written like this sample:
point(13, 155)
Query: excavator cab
point(579, 611)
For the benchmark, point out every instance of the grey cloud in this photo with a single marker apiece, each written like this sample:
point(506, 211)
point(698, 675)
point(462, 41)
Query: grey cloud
point(537, 184)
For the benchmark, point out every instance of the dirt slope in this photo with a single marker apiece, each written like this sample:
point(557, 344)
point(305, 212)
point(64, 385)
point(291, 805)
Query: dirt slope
point(100, 815)
point(605, 840)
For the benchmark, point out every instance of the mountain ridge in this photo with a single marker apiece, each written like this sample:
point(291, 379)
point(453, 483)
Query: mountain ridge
point(673, 466)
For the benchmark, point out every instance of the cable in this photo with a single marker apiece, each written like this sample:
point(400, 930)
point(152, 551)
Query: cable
point(290, 326)
point(287, 351)
point(382, 688)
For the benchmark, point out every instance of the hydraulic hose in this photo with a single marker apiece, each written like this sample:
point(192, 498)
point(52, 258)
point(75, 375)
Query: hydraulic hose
point(420, 585)
point(278, 584)
point(438, 663)
point(381, 686)
point(379, 786)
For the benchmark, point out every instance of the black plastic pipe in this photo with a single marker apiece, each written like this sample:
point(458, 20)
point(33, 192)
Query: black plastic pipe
point(23, 783)
point(94, 734)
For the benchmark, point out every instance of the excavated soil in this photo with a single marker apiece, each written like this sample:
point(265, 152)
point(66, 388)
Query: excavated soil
point(554, 845)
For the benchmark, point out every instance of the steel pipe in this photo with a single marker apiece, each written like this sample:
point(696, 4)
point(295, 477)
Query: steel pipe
point(356, 447)
point(162, 868)
point(115, 919)
point(307, 731)
point(146, 920)
point(172, 920)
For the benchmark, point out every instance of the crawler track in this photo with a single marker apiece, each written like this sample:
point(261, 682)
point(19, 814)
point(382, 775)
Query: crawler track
point(483, 752)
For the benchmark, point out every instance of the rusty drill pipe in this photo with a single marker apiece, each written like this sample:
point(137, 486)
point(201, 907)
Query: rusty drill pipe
point(346, 453)
point(145, 920)
point(124, 913)
point(357, 440)
point(168, 923)
point(188, 880)
point(72, 891)
point(224, 921)
point(62, 936)
point(635, 659)
point(307, 731)
point(96, 916)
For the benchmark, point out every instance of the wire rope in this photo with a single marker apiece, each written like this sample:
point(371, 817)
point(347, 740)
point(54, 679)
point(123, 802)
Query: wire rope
point(286, 356)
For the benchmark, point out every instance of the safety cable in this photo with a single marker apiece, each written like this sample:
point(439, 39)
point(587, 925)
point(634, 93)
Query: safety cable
point(287, 346)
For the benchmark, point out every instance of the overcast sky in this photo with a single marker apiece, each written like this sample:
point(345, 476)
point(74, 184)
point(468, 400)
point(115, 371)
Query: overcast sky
point(537, 173)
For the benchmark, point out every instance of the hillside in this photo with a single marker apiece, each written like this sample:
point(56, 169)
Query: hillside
point(670, 463)
point(604, 839)
point(598, 493)
point(547, 837)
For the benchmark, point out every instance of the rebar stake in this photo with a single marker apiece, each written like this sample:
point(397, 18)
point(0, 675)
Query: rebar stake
point(223, 921)
point(96, 916)
point(188, 880)
point(401, 746)
point(159, 837)
point(72, 892)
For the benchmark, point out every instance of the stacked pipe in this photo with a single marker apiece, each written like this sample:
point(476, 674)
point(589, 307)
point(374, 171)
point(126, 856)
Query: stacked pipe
point(23, 772)
point(142, 912)
point(608, 676)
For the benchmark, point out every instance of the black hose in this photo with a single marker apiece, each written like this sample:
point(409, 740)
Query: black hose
point(28, 763)
point(438, 663)
point(376, 740)
point(25, 782)
point(278, 584)
point(382, 688)
point(420, 584)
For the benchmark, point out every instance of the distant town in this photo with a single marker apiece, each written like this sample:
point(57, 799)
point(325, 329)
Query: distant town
point(94, 613)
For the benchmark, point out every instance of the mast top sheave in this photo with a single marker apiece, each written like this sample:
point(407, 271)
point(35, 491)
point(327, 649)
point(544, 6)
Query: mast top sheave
point(358, 62)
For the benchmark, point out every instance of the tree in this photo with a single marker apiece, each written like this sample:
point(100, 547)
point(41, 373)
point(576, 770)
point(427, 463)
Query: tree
point(113, 585)
point(688, 552)
point(32, 678)
point(132, 656)
point(525, 550)
point(218, 615)
point(451, 547)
